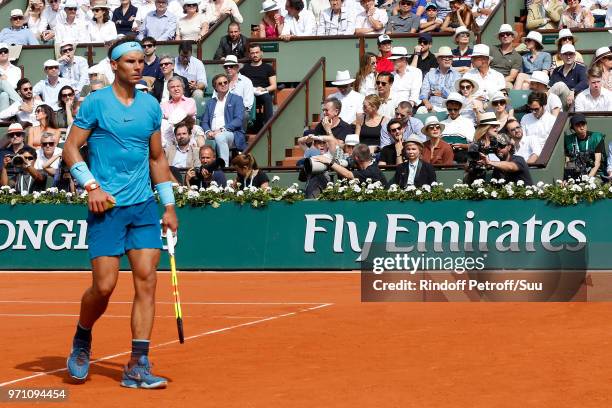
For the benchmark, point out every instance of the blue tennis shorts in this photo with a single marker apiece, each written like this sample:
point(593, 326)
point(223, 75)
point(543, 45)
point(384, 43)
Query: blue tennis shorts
point(123, 228)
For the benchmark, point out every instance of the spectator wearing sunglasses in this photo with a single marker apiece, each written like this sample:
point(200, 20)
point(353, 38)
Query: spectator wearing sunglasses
point(502, 109)
point(422, 58)
point(405, 21)
point(50, 13)
point(71, 27)
point(455, 124)
point(46, 123)
point(9, 76)
point(435, 150)
point(101, 28)
point(160, 86)
point(439, 82)
point(48, 157)
point(505, 59)
point(536, 125)
point(22, 111)
point(68, 105)
point(23, 178)
point(48, 89)
point(73, 68)
point(17, 33)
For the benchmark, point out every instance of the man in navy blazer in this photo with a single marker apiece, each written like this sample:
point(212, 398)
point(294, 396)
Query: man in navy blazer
point(222, 118)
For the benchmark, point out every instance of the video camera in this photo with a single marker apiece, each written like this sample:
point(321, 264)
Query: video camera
point(475, 170)
point(581, 164)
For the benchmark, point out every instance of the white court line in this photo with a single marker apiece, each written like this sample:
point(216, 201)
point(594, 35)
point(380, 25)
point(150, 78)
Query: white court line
point(74, 315)
point(208, 333)
point(40, 272)
point(60, 302)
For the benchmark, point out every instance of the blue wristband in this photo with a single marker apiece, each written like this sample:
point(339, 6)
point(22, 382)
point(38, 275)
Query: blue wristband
point(166, 193)
point(81, 173)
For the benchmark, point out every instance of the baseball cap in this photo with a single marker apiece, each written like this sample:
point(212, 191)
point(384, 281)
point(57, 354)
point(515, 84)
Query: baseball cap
point(427, 37)
point(384, 38)
point(577, 118)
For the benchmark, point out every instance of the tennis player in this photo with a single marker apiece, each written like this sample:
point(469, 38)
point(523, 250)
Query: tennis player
point(122, 129)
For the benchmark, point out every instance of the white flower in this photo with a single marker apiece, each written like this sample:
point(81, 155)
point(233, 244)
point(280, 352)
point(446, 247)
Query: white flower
point(576, 188)
point(239, 193)
point(528, 193)
point(5, 188)
point(540, 184)
point(600, 193)
point(610, 189)
point(192, 194)
point(180, 189)
point(427, 188)
point(230, 183)
point(356, 188)
point(252, 189)
point(194, 187)
point(275, 179)
point(480, 190)
point(342, 189)
point(410, 187)
point(585, 177)
point(53, 190)
point(447, 190)
point(477, 183)
point(393, 188)
point(295, 186)
point(434, 183)
point(520, 183)
point(493, 181)
point(329, 184)
point(369, 191)
point(68, 195)
point(229, 189)
point(11, 191)
point(493, 193)
point(418, 192)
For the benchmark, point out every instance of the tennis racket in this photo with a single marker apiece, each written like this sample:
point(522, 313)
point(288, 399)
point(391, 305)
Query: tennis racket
point(177, 299)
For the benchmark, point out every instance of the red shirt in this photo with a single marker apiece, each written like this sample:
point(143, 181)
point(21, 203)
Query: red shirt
point(383, 64)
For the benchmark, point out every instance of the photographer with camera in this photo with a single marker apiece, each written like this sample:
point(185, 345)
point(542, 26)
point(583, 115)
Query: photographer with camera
point(315, 173)
point(583, 149)
point(364, 167)
point(485, 142)
point(509, 167)
point(18, 164)
point(208, 171)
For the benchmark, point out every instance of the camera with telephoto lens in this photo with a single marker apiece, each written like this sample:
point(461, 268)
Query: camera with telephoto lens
point(474, 169)
point(217, 164)
point(580, 164)
point(17, 160)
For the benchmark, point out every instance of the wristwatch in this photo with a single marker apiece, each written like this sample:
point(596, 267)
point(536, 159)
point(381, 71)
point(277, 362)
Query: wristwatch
point(92, 186)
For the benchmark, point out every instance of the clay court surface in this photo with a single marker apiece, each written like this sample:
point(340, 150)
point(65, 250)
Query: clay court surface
point(306, 340)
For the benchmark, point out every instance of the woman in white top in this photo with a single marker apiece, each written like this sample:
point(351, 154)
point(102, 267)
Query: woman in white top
point(102, 29)
point(217, 8)
point(365, 81)
point(468, 88)
point(34, 19)
point(193, 25)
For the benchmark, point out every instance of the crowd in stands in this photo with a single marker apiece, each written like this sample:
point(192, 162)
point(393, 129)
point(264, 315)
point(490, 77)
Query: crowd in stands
point(417, 108)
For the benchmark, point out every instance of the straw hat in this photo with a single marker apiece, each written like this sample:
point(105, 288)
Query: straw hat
point(488, 118)
point(507, 28)
point(566, 32)
point(444, 52)
point(459, 30)
point(540, 77)
point(568, 48)
point(455, 97)
point(482, 50)
point(470, 80)
point(269, 5)
point(413, 139)
point(351, 140)
point(535, 36)
point(432, 120)
point(601, 52)
point(398, 52)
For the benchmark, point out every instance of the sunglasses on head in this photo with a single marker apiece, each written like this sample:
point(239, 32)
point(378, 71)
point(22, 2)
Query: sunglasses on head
point(382, 83)
point(47, 144)
point(65, 50)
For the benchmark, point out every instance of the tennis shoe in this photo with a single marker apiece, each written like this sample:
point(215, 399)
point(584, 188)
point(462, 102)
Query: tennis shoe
point(78, 361)
point(139, 376)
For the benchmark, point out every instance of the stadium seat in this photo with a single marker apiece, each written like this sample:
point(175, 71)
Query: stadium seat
point(518, 97)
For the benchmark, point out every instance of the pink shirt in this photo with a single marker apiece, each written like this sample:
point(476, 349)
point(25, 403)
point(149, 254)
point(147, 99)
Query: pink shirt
point(187, 105)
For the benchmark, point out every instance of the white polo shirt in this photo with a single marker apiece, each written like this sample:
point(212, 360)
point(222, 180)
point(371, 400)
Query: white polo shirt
point(306, 25)
point(490, 83)
point(362, 21)
point(461, 126)
point(536, 131)
point(407, 87)
point(352, 104)
point(585, 102)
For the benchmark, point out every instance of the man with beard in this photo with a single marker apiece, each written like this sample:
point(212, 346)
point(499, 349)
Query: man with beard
point(23, 111)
